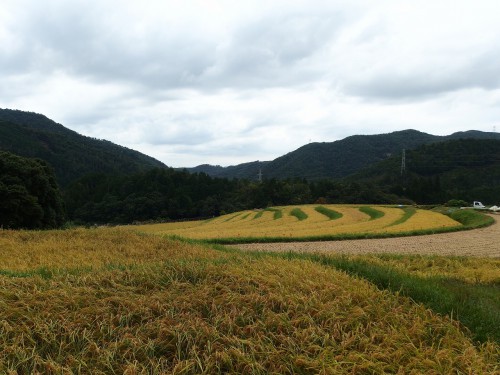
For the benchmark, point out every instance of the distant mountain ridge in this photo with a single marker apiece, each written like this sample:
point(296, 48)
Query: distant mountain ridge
point(72, 155)
point(337, 159)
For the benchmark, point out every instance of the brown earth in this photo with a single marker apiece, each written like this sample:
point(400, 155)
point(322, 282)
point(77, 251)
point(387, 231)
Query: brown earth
point(483, 242)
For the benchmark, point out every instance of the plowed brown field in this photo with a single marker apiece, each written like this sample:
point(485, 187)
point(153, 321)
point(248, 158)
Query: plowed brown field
point(484, 242)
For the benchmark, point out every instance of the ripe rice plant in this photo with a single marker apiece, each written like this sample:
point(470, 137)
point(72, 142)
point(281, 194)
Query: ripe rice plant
point(27, 251)
point(467, 269)
point(120, 302)
point(475, 303)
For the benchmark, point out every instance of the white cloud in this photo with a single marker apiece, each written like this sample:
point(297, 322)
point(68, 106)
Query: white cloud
point(226, 82)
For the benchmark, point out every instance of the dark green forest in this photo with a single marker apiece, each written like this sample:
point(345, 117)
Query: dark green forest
point(29, 195)
point(466, 169)
point(167, 194)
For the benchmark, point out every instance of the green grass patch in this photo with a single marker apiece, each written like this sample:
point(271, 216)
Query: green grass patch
point(232, 217)
point(278, 214)
point(43, 272)
point(245, 216)
point(298, 213)
point(258, 214)
point(331, 214)
point(408, 212)
point(372, 212)
point(471, 219)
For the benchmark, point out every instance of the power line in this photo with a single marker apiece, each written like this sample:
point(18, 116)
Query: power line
point(403, 162)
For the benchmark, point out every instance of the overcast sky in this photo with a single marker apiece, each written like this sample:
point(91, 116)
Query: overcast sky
point(225, 82)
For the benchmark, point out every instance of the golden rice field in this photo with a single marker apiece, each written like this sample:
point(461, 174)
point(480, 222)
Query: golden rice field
point(266, 223)
point(113, 301)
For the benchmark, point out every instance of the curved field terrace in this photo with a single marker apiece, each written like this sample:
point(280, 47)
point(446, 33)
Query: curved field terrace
point(315, 222)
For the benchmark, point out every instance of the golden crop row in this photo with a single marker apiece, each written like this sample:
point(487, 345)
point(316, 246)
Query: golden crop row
point(468, 269)
point(263, 224)
point(84, 248)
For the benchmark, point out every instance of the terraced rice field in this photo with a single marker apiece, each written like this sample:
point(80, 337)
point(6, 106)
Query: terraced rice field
point(307, 221)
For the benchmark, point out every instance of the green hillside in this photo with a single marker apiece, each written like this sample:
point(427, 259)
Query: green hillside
point(467, 169)
point(337, 159)
point(70, 154)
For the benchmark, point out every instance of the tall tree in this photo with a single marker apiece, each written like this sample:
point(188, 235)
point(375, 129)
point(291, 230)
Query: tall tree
point(29, 195)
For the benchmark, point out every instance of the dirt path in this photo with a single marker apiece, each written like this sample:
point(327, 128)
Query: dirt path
point(484, 242)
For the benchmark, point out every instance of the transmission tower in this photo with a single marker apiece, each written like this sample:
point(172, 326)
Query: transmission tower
point(259, 175)
point(403, 162)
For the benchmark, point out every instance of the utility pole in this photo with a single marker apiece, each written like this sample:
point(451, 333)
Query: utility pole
point(403, 162)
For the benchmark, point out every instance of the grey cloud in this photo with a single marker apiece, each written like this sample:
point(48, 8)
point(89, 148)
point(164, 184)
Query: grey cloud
point(274, 51)
point(171, 135)
point(480, 71)
point(82, 40)
point(79, 40)
point(171, 87)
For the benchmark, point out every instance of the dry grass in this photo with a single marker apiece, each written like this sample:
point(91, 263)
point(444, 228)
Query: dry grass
point(263, 224)
point(169, 307)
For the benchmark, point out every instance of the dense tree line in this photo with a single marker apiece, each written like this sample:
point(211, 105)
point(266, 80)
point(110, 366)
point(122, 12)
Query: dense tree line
point(29, 195)
point(167, 194)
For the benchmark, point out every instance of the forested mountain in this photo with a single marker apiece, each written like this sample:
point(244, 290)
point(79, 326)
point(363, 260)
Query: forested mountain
point(467, 169)
point(337, 159)
point(70, 154)
point(105, 183)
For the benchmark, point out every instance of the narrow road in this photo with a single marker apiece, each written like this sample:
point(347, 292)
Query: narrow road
point(484, 242)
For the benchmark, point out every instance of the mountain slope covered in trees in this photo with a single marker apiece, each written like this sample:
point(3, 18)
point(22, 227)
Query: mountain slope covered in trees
point(467, 169)
point(70, 154)
point(337, 159)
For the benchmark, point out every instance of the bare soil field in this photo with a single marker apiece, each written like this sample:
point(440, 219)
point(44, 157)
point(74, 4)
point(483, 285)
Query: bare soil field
point(483, 242)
